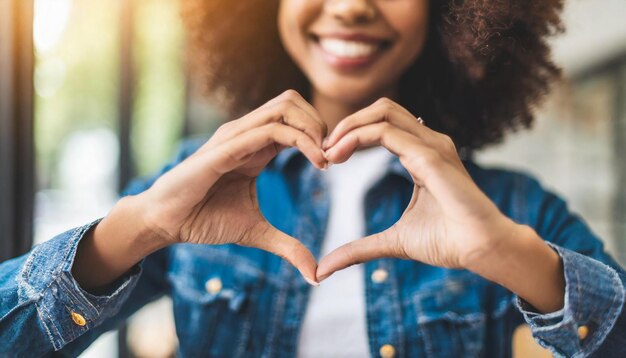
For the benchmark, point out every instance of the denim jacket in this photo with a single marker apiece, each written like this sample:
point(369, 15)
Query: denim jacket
point(233, 301)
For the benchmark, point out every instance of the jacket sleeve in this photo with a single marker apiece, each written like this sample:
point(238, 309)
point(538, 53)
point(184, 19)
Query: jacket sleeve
point(593, 319)
point(42, 307)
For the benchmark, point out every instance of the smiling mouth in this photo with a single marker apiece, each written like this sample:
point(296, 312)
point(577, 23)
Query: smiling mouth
point(350, 52)
point(349, 49)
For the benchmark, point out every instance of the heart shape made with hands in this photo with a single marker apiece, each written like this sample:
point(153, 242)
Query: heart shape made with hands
point(449, 222)
point(378, 245)
point(369, 248)
point(368, 128)
point(447, 219)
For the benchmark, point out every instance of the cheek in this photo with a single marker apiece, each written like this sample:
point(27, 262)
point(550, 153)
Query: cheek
point(413, 43)
point(294, 17)
point(285, 30)
point(411, 24)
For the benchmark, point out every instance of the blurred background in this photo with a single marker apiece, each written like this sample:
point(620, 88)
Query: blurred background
point(102, 87)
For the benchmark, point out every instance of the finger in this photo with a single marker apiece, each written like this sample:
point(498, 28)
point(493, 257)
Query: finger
point(418, 158)
point(201, 170)
point(450, 184)
point(306, 106)
point(289, 108)
point(292, 114)
point(268, 238)
point(383, 110)
point(239, 150)
point(393, 138)
point(363, 250)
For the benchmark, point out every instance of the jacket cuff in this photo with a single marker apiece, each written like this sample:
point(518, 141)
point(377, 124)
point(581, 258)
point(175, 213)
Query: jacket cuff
point(64, 308)
point(594, 297)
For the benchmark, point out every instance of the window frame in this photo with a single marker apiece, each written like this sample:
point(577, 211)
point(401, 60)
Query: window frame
point(615, 68)
point(17, 183)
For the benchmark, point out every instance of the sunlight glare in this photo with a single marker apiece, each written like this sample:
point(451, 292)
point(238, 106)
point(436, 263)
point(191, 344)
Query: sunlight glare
point(51, 18)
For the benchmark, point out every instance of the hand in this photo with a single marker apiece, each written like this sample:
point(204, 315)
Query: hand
point(210, 198)
point(449, 222)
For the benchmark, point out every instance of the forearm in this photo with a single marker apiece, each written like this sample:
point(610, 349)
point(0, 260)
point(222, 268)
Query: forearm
point(115, 245)
point(527, 266)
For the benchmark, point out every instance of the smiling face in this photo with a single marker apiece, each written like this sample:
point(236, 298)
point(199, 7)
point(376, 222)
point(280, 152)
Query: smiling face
point(353, 51)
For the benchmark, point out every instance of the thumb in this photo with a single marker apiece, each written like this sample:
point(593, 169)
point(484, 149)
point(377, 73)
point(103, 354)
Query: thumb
point(270, 239)
point(355, 252)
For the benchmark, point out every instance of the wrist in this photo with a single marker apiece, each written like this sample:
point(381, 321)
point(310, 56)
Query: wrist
point(523, 263)
point(137, 213)
point(497, 251)
point(498, 242)
point(114, 245)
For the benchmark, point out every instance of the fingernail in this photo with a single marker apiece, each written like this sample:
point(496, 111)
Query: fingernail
point(325, 143)
point(311, 282)
point(322, 278)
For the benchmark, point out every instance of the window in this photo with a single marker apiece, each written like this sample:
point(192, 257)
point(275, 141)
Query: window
point(109, 104)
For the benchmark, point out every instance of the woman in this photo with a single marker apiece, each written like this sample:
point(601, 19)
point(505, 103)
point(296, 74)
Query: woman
point(454, 256)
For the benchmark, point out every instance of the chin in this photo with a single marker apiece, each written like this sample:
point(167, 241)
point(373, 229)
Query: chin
point(350, 94)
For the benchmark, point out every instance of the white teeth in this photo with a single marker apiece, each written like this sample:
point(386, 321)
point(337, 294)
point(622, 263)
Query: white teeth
point(347, 49)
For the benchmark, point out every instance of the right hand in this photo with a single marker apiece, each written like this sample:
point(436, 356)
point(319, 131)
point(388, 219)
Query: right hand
point(210, 198)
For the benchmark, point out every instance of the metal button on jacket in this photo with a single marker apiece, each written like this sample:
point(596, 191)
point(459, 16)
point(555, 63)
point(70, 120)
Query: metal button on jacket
point(213, 285)
point(387, 351)
point(379, 275)
point(78, 319)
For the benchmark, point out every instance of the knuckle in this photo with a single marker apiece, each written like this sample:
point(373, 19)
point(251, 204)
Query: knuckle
point(315, 133)
point(427, 160)
point(384, 138)
point(291, 94)
point(431, 158)
point(385, 104)
point(448, 143)
point(354, 138)
point(225, 127)
point(273, 127)
point(298, 141)
point(349, 254)
point(270, 129)
point(384, 101)
point(394, 243)
point(310, 132)
point(385, 126)
point(384, 132)
point(285, 105)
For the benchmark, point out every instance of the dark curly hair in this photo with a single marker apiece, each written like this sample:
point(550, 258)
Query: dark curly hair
point(484, 68)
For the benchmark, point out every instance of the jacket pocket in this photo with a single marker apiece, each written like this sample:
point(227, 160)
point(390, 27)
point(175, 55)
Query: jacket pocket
point(451, 318)
point(215, 301)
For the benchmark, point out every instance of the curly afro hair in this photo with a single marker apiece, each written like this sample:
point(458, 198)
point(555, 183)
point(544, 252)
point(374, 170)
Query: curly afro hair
point(484, 68)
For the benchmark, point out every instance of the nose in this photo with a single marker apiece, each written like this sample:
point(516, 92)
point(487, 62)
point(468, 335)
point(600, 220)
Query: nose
point(351, 11)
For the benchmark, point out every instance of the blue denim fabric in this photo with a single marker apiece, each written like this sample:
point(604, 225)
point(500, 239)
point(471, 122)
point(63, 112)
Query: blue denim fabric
point(419, 309)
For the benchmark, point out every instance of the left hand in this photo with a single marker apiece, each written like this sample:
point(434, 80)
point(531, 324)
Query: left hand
point(449, 221)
